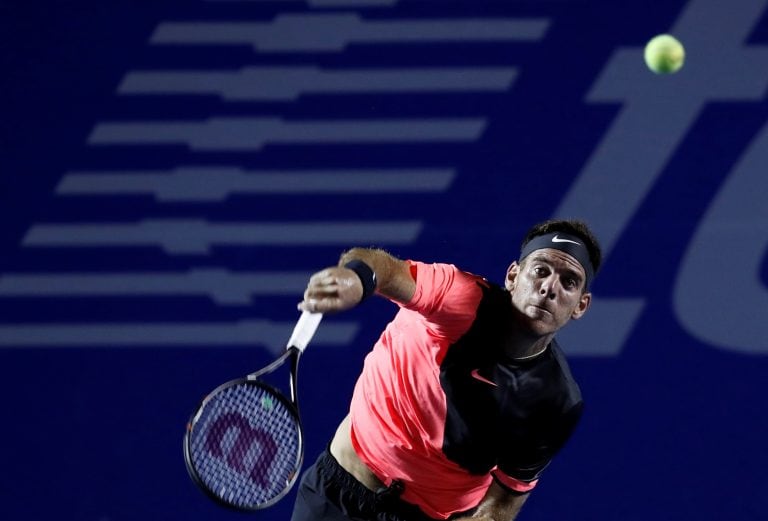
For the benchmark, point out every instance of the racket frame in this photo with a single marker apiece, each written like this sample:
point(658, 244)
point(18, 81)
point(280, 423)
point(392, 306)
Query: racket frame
point(302, 334)
point(292, 354)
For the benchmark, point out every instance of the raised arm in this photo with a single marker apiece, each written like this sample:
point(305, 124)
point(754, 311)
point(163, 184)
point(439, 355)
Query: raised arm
point(338, 288)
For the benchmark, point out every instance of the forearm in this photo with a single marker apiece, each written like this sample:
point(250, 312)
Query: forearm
point(507, 512)
point(498, 505)
point(393, 277)
point(338, 288)
point(507, 515)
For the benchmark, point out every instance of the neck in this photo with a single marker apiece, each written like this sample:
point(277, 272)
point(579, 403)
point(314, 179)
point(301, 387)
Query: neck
point(521, 342)
point(521, 346)
point(533, 352)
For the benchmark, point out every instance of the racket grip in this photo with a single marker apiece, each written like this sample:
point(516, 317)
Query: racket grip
point(304, 330)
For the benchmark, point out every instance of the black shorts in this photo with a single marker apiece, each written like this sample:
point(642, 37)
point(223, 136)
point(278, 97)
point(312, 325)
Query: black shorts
point(329, 493)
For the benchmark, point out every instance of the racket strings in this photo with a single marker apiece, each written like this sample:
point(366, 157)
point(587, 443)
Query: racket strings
point(245, 445)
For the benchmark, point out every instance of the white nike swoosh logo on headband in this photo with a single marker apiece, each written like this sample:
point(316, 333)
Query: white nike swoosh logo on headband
point(558, 239)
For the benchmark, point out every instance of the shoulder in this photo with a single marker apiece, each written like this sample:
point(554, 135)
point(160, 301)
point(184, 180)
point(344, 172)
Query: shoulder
point(446, 297)
point(420, 268)
point(568, 385)
point(436, 281)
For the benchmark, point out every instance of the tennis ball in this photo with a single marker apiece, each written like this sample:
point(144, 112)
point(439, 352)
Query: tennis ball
point(664, 54)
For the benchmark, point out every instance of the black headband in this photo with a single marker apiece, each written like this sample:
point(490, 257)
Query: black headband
point(566, 243)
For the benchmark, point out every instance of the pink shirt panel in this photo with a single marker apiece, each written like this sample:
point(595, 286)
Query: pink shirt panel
point(399, 408)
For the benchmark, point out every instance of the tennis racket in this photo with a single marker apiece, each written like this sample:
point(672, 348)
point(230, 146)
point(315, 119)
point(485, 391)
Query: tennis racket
point(244, 445)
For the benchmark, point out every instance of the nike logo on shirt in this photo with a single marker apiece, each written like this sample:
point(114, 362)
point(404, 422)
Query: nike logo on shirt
point(477, 376)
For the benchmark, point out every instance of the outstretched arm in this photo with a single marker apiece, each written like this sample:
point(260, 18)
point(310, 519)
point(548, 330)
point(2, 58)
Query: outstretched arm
point(498, 504)
point(338, 288)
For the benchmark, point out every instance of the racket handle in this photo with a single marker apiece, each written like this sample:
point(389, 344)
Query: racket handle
point(304, 330)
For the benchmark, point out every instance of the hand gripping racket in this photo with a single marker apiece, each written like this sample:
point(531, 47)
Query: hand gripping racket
point(244, 445)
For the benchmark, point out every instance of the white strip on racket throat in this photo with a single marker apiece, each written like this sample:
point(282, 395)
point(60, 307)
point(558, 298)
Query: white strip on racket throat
point(304, 330)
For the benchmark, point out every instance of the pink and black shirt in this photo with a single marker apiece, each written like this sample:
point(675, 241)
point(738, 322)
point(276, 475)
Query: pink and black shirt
point(439, 408)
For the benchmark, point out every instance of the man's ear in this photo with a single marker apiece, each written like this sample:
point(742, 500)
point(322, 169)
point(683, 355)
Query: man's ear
point(584, 302)
point(512, 272)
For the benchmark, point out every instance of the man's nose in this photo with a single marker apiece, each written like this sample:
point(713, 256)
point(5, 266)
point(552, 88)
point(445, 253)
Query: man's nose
point(548, 287)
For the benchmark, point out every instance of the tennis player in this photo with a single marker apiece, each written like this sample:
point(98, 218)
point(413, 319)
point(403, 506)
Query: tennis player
point(466, 396)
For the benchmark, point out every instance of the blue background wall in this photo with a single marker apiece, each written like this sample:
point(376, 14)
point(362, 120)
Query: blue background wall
point(170, 174)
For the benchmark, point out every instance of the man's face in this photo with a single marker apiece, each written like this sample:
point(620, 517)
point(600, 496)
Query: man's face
point(547, 289)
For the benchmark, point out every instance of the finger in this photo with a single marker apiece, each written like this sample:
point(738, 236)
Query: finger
point(323, 292)
point(328, 305)
point(322, 277)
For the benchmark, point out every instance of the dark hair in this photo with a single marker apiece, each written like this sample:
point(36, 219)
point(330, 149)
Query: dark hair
point(572, 227)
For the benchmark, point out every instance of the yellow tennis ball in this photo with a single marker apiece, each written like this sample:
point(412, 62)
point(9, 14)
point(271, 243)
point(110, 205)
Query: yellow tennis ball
point(664, 54)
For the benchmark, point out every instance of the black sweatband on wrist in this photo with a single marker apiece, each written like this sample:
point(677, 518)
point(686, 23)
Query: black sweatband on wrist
point(366, 274)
